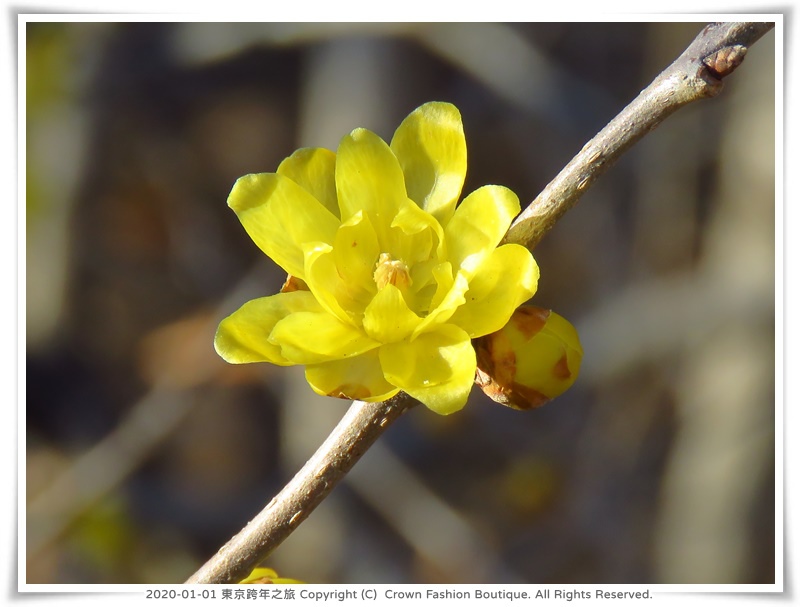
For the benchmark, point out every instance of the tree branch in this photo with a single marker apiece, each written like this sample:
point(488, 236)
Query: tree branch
point(696, 74)
point(359, 428)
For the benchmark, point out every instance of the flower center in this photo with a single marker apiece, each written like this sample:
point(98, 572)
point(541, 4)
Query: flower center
point(391, 271)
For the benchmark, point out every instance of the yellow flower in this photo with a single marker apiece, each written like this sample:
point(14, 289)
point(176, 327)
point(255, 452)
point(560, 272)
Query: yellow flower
point(265, 575)
point(389, 279)
point(535, 357)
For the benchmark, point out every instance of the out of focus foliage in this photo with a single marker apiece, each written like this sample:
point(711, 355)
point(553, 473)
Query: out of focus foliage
point(145, 452)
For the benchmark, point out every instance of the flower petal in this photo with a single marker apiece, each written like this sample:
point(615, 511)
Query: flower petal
point(280, 217)
point(369, 178)
point(415, 234)
point(452, 293)
point(314, 337)
point(437, 368)
point(443, 276)
point(507, 279)
point(333, 293)
point(341, 276)
point(387, 318)
point(359, 378)
point(356, 251)
point(432, 151)
point(552, 356)
point(478, 225)
point(313, 170)
point(243, 337)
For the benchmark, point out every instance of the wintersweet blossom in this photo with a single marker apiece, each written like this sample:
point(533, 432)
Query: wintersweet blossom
point(535, 357)
point(265, 575)
point(389, 281)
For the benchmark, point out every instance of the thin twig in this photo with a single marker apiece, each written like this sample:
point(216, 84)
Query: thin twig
point(359, 428)
point(696, 74)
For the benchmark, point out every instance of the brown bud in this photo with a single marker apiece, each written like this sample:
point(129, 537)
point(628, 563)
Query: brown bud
point(725, 60)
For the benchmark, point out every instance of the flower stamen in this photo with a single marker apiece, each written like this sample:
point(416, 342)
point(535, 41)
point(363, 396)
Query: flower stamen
point(391, 271)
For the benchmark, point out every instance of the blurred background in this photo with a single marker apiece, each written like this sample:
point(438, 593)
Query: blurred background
point(145, 452)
